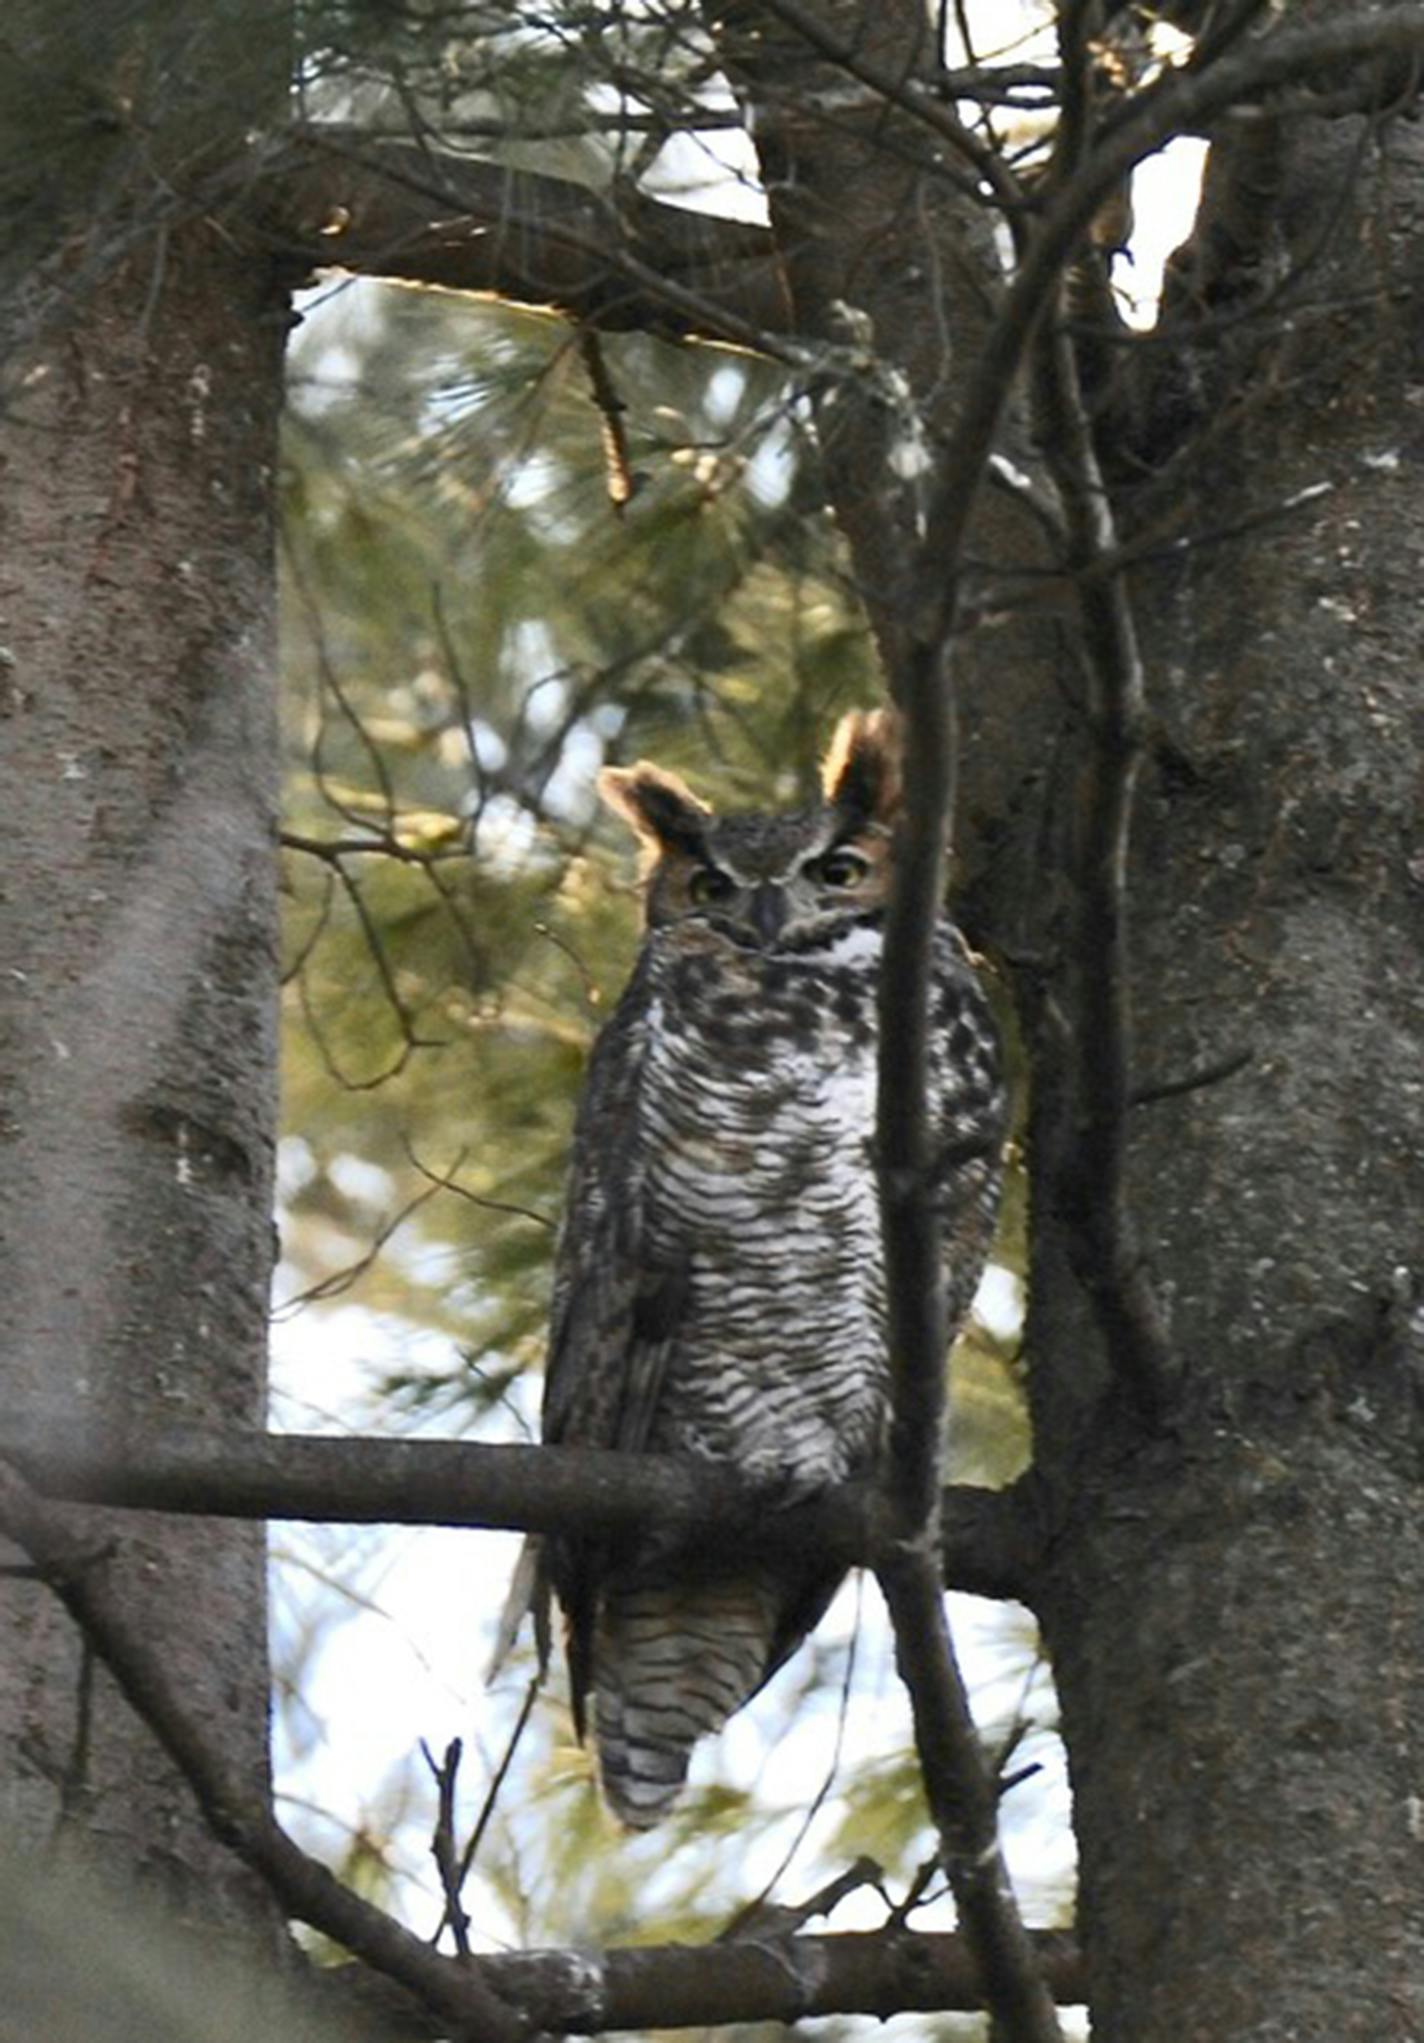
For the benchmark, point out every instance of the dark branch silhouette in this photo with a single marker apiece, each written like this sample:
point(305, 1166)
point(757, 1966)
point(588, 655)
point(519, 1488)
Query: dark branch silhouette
point(991, 1539)
point(501, 1999)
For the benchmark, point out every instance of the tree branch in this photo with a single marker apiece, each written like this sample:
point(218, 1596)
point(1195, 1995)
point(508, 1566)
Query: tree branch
point(331, 197)
point(961, 1799)
point(762, 1979)
point(1182, 101)
point(498, 2000)
point(992, 1539)
point(1091, 1192)
point(334, 197)
point(74, 1566)
point(963, 1802)
point(959, 1794)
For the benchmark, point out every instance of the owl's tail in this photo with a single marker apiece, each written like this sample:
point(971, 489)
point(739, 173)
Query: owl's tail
point(673, 1663)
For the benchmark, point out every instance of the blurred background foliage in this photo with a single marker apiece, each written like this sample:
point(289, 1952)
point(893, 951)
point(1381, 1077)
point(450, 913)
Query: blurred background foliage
point(512, 553)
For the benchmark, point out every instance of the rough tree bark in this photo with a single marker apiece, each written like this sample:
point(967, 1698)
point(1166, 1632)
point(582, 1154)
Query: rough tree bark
point(1233, 1601)
point(138, 770)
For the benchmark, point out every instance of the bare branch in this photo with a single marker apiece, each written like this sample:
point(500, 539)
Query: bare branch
point(766, 1979)
point(497, 1780)
point(446, 1773)
point(337, 1281)
point(960, 1795)
point(964, 1802)
point(961, 1798)
point(236, 1809)
point(332, 198)
point(381, 844)
point(957, 1787)
point(499, 1999)
point(1092, 1196)
point(992, 1539)
point(1180, 102)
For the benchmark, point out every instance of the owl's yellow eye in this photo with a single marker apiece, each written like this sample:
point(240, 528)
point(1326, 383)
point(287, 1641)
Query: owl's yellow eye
point(840, 868)
point(709, 885)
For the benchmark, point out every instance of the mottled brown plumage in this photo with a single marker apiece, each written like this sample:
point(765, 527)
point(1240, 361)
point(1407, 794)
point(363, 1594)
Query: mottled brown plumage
point(719, 1286)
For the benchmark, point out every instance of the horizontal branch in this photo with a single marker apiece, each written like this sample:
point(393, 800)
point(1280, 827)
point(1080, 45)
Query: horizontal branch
point(503, 1998)
point(991, 1538)
point(335, 198)
point(773, 1979)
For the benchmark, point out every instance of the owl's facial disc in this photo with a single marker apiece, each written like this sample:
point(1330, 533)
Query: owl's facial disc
point(793, 902)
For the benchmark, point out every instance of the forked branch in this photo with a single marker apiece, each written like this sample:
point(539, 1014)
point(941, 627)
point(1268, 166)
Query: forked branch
point(235, 1809)
point(497, 2000)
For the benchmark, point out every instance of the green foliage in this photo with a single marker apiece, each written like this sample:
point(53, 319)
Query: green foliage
point(471, 628)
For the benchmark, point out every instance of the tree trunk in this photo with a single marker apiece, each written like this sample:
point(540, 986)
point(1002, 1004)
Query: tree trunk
point(1233, 1606)
point(139, 769)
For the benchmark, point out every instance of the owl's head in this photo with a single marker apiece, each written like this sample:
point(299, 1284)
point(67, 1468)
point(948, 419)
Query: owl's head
point(771, 882)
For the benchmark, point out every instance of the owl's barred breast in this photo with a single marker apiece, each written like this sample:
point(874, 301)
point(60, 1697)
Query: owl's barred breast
point(755, 1112)
point(758, 1102)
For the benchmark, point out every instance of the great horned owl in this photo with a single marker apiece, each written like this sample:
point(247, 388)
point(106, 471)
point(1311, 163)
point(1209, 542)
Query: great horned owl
point(719, 1285)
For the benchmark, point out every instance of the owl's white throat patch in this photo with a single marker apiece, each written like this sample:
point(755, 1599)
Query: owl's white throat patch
point(858, 944)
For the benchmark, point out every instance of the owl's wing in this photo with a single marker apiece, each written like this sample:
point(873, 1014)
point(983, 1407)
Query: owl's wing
point(619, 1302)
point(971, 1121)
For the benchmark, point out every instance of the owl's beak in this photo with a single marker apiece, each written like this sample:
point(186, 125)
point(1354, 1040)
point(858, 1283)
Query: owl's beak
point(767, 912)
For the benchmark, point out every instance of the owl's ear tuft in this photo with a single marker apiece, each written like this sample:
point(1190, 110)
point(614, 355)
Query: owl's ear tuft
point(662, 809)
point(862, 771)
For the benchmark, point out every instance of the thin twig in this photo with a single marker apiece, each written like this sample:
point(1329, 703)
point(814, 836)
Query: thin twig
point(561, 943)
point(460, 682)
point(759, 1920)
point(446, 1181)
point(329, 683)
point(1092, 1196)
point(446, 1773)
point(1215, 1073)
point(341, 1280)
point(754, 1910)
point(381, 844)
point(497, 1780)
